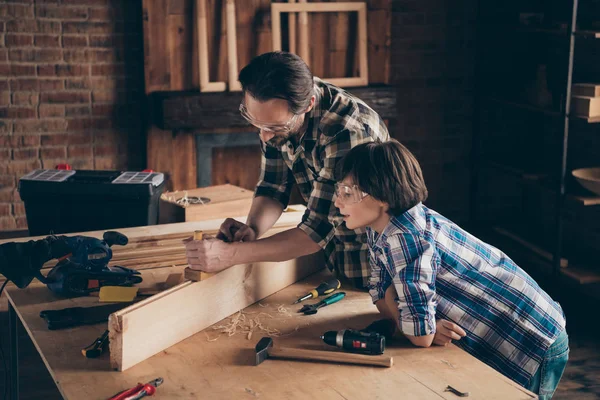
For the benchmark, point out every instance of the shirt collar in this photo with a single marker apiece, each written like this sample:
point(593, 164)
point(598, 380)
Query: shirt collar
point(399, 224)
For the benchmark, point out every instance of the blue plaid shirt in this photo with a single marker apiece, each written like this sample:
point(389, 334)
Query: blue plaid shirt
point(441, 271)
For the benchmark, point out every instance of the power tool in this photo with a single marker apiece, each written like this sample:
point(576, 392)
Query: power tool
point(84, 268)
point(82, 263)
point(356, 341)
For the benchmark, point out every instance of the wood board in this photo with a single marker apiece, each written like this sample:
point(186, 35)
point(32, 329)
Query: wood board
point(138, 332)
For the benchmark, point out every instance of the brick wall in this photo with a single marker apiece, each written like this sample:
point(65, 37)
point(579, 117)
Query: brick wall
point(433, 54)
point(71, 90)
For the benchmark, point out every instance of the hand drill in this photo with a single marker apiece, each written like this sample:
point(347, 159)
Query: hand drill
point(356, 341)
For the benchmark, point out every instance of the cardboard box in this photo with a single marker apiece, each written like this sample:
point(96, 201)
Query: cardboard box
point(586, 89)
point(223, 201)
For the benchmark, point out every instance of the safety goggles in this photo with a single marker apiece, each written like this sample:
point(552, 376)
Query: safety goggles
point(349, 194)
point(278, 128)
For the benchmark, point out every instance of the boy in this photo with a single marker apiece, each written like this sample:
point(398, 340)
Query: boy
point(424, 267)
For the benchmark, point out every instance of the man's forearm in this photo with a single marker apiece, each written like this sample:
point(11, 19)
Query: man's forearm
point(283, 246)
point(263, 214)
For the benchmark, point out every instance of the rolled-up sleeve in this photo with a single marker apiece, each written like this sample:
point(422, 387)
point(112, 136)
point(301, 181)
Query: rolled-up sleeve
point(413, 264)
point(276, 178)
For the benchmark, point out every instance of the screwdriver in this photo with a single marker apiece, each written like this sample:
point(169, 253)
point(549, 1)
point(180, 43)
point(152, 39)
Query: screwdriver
point(324, 288)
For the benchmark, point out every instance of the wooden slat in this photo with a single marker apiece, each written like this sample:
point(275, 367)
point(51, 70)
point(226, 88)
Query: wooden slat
point(580, 275)
point(156, 55)
point(139, 332)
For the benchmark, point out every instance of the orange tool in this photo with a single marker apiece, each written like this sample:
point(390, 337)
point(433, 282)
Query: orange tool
point(192, 274)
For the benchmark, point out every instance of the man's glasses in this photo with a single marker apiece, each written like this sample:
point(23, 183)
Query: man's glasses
point(349, 194)
point(277, 128)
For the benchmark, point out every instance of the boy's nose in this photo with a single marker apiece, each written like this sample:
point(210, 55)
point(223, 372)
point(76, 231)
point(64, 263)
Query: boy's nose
point(337, 203)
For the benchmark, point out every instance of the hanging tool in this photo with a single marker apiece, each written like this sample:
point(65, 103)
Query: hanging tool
point(264, 349)
point(97, 347)
point(326, 287)
point(139, 391)
point(356, 341)
point(312, 308)
point(193, 274)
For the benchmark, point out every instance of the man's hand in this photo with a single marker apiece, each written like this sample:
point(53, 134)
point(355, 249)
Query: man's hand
point(446, 331)
point(235, 231)
point(209, 255)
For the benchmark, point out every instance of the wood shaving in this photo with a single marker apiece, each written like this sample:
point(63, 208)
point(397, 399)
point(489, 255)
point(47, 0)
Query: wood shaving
point(283, 310)
point(261, 305)
point(242, 323)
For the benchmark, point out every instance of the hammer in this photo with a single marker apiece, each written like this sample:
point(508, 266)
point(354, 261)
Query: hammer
point(264, 349)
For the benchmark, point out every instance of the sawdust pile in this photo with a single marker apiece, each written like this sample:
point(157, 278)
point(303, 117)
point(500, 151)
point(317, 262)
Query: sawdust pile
point(247, 323)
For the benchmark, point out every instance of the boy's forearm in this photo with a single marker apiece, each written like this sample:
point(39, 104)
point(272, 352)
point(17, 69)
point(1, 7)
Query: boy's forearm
point(263, 214)
point(283, 246)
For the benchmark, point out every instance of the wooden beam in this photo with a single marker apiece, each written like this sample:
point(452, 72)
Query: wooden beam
point(138, 332)
point(215, 111)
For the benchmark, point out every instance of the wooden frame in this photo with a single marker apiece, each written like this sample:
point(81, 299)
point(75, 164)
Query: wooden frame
point(303, 8)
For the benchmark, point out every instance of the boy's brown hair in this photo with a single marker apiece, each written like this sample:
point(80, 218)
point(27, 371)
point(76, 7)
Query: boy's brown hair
point(388, 172)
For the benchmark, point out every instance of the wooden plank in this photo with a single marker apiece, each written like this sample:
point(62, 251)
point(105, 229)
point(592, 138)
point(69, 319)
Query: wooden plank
point(157, 53)
point(379, 41)
point(213, 111)
point(303, 37)
point(232, 58)
point(203, 53)
point(138, 333)
point(180, 45)
point(292, 41)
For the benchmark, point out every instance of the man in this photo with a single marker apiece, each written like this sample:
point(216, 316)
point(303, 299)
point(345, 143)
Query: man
point(306, 126)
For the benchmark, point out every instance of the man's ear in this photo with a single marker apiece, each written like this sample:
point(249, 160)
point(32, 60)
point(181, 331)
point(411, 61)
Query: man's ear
point(311, 105)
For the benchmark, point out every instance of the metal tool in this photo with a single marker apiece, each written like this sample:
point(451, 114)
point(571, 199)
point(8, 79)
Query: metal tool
point(456, 391)
point(139, 391)
point(265, 349)
point(312, 308)
point(326, 287)
point(97, 347)
point(356, 341)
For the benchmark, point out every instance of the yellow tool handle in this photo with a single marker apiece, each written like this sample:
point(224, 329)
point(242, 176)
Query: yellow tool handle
point(198, 235)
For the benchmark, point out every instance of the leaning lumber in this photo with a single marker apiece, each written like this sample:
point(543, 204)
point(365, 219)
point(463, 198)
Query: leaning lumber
point(151, 326)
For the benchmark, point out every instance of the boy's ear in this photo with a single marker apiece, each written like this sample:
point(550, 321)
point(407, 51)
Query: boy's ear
point(384, 205)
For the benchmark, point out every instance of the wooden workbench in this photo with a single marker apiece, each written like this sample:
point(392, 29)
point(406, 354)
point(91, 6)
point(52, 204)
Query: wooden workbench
point(201, 367)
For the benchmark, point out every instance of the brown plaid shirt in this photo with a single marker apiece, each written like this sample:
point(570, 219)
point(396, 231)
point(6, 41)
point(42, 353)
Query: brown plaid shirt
point(338, 122)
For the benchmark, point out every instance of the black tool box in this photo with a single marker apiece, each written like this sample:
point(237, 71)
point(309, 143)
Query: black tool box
point(66, 201)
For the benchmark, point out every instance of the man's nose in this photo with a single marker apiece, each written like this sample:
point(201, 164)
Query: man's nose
point(266, 135)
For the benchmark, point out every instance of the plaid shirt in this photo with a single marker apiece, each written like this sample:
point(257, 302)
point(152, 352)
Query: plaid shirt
point(338, 122)
point(441, 271)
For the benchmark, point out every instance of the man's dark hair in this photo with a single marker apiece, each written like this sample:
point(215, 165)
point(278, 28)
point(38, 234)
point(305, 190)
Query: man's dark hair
point(387, 171)
point(279, 75)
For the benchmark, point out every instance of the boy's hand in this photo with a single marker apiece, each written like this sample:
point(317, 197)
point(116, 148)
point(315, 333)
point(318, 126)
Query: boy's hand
point(446, 331)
